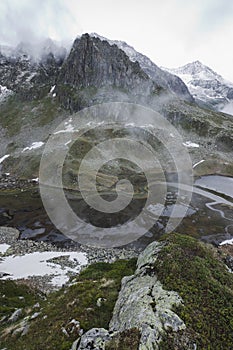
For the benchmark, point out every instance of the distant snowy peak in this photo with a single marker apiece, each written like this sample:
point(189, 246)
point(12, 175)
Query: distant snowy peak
point(195, 71)
point(163, 78)
point(195, 68)
point(207, 87)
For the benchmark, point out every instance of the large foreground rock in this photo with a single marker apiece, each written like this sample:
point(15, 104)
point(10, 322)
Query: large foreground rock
point(142, 304)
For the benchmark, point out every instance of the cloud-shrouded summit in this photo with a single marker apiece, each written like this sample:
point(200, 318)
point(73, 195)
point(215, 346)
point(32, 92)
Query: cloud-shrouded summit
point(171, 32)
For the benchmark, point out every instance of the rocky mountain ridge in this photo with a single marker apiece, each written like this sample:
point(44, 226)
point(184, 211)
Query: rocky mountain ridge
point(29, 65)
point(94, 66)
point(38, 95)
point(207, 87)
point(27, 69)
point(163, 78)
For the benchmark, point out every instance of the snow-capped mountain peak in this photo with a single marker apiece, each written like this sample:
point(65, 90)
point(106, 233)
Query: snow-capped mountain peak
point(195, 70)
point(207, 87)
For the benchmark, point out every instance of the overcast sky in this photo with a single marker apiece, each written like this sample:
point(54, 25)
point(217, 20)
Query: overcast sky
point(171, 32)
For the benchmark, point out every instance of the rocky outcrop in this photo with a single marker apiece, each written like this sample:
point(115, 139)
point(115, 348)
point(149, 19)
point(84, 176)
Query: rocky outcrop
point(15, 316)
point(162, 78)
point(142, 304)
point(147, 301)
point(94, 339)
point(94, 64)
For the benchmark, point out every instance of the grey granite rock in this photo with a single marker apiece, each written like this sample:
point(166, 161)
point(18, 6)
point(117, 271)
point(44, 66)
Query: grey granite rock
point(142, 304)
point(95, 70)
point(94, 339)
point(15, 316)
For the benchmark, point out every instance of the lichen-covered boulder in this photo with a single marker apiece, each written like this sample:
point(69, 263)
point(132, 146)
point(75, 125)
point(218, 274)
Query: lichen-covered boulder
point(94, 339)
point(144, 304)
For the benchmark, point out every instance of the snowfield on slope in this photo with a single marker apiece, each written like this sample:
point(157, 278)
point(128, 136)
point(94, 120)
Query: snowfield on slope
point(40, 264)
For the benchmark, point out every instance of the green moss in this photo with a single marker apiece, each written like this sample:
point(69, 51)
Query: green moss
point(28, 167)
point(214, 165)
point(15, 113)
point(75, 98)
point(14, 296)
point(79, 301)
point(206, 287)
point(47, 111)
point(126, 340)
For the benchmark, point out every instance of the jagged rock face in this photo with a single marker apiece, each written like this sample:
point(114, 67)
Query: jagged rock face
point(162, 78)
point(93, 62)
point(168, 81)
point(44, 89)
point(93, 65)
point(27, 75)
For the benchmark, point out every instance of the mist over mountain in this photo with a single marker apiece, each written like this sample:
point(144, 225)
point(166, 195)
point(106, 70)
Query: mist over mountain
point(27, 61)
point(49, 81)
point(43, 86)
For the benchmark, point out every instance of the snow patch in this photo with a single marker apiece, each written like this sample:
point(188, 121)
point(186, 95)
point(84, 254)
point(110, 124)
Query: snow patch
point(34, 145)
point(4, 93)
point(68, 128)
point(4, 247)
point(30, 77)
point(4, 157)
point(130, 124)
point(52, 88)
point(228, 241)
point(37, 264)
point(190, 144)
point(196, 164)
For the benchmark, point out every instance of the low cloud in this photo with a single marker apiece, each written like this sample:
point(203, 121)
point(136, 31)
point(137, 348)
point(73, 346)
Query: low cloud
point(170, 32)
point(33, 20)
